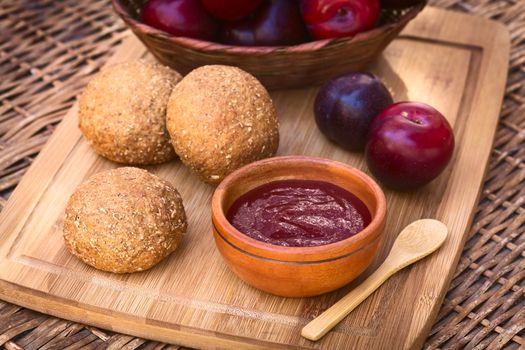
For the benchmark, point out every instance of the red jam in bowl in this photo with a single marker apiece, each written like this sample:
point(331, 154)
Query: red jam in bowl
point(299, 213)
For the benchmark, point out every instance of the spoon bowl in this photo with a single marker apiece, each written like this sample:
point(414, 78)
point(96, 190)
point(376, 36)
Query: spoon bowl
point(416, 241)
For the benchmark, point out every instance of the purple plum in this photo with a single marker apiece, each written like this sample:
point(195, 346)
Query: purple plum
point(346, 105)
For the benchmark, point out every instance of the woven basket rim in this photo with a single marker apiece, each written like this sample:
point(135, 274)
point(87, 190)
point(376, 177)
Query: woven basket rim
point(208, 46)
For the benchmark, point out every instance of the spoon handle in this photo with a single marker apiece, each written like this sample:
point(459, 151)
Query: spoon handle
point(322, 324)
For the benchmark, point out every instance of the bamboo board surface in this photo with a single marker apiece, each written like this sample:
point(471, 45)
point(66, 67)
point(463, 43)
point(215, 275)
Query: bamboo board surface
point(454, 62)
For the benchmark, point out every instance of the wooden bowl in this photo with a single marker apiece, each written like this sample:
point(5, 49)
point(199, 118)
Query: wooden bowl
point(276, 67)
point(297, 271)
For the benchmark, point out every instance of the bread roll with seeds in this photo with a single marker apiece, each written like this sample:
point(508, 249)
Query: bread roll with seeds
point(124, 220)
point(219, 119)
point(122, 112)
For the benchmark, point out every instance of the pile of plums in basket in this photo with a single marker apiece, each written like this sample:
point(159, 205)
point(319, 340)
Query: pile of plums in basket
point(266, 22)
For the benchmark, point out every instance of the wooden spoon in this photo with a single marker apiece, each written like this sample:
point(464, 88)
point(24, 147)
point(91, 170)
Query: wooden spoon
point(416, 241)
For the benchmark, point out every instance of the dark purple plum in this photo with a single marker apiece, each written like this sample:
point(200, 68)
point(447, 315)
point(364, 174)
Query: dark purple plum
point(181, 18)
point(276, 23)
point(345, 107)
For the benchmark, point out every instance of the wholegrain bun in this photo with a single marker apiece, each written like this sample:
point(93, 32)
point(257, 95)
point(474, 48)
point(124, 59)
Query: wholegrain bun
point(124, 220)
point(122, 112)
point(219, 119)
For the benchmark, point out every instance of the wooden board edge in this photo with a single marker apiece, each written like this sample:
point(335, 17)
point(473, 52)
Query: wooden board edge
point(41, 302)
point(501, 35)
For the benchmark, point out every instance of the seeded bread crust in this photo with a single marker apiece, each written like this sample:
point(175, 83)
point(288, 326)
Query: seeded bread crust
point(122, 112)
point(219, 119)
point(124, 220)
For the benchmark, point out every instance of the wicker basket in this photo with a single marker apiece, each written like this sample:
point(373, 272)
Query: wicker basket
point(276, 67)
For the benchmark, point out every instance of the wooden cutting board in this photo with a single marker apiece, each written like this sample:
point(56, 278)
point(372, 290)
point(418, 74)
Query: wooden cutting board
point(452, 61)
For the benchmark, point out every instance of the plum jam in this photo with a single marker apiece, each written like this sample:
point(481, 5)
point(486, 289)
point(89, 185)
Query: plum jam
point(299, 213)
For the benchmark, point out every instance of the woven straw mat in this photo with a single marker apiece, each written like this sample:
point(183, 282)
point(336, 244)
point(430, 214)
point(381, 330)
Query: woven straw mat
point(48, 51)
